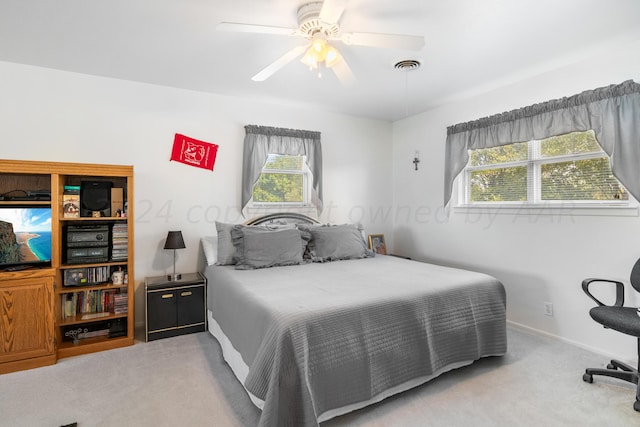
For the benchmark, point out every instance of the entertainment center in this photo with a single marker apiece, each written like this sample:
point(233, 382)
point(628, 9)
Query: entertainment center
point(66, 271)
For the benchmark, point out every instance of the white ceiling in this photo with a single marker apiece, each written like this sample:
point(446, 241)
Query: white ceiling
point(471, 46)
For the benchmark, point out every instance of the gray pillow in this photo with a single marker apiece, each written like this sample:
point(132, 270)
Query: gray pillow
point(336, 242)
point(259, 247)
point(226, 250)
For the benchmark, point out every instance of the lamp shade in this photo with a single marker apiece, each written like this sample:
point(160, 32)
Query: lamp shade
point(174, 240)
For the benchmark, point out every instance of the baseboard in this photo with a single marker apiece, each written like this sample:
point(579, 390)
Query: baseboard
point(595, 350)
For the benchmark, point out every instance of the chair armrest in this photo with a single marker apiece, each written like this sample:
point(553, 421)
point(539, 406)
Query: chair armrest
point(619, 291)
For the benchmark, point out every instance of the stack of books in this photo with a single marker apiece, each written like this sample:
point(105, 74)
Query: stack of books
point(120, 242)
point(89, 304)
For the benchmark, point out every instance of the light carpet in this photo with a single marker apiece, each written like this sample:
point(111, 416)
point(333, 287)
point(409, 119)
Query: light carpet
point(183, 381)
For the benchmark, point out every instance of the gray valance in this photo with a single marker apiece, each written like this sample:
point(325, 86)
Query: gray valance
point(260, 141)
point(612, 112)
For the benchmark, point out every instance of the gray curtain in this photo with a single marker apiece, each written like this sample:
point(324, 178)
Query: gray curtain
point(612, 112)
point(260, 141)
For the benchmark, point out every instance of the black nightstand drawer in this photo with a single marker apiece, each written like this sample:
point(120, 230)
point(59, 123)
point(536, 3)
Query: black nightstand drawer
point(161, 310)
point(190, 306)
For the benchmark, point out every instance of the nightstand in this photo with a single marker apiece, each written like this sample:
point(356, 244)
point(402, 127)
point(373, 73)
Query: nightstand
point(175, 307)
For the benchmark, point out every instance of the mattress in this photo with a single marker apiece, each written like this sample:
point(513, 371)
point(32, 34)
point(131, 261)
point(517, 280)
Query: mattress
point(313, 341)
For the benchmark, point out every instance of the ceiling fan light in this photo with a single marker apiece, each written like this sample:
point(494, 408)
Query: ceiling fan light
point(332, 56)
point(319, 53)
point(310, 59)
point(319, 45)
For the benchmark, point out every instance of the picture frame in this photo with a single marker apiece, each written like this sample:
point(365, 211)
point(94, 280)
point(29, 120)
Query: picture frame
point(76, 277)
point(377, 244)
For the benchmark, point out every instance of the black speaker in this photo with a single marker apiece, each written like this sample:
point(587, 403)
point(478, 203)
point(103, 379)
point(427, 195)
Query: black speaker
point(95, 196)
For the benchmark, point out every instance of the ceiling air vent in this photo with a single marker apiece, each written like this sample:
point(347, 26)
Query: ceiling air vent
point(407, 65)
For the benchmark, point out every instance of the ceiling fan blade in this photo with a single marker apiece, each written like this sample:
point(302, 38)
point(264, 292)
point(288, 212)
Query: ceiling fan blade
point(332, 11)
point(270, 69)
point(391, 41)
point(260, 29)
point(343, 72)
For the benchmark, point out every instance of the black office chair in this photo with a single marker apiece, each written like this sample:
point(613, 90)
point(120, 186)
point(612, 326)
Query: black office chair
point(622, 319)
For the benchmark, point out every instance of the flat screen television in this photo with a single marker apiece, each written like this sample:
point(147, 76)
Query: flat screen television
point(25, 236)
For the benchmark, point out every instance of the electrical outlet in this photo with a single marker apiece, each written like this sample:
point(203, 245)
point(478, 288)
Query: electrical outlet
point(548, 309)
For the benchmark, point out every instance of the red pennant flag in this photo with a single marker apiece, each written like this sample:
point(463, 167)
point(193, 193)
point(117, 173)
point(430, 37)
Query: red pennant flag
point(193, 152)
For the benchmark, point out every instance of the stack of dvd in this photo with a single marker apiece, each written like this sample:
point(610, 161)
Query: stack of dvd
point(120, 303)
point(120, 244)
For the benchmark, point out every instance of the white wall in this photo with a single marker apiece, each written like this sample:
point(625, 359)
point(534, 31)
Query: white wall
point(60, 116)
point(539, 258)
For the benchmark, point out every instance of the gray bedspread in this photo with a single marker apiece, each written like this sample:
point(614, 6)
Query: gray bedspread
point(322, 336)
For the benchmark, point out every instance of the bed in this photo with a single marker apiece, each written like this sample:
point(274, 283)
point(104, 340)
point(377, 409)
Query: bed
point(324, 329)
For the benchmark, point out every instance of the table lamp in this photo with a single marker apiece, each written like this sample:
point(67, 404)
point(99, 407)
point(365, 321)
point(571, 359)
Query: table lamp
point(174, 241)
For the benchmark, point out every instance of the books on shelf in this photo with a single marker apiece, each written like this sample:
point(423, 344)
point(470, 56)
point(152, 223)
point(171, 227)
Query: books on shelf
point(93, 304)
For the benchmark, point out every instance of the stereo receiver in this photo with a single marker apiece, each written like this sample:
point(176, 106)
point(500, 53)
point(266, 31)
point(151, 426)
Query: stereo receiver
point(87, 235)
point(87, 244)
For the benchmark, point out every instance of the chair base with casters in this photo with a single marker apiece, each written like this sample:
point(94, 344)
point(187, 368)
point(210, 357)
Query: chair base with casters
point(622, 319)
point(620, 370)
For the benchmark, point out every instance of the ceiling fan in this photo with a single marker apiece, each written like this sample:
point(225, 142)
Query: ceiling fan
point(318, 24)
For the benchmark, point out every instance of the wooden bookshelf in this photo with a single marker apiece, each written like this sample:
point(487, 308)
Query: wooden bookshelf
point(32, 319)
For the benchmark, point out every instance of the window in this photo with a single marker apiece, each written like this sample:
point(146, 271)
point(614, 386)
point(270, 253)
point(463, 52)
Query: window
point(281, 171)
point(611, 112)
point(565, 168)
point(285, 179)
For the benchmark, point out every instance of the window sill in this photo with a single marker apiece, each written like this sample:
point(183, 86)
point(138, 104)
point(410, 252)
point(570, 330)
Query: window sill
point(556, 210)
